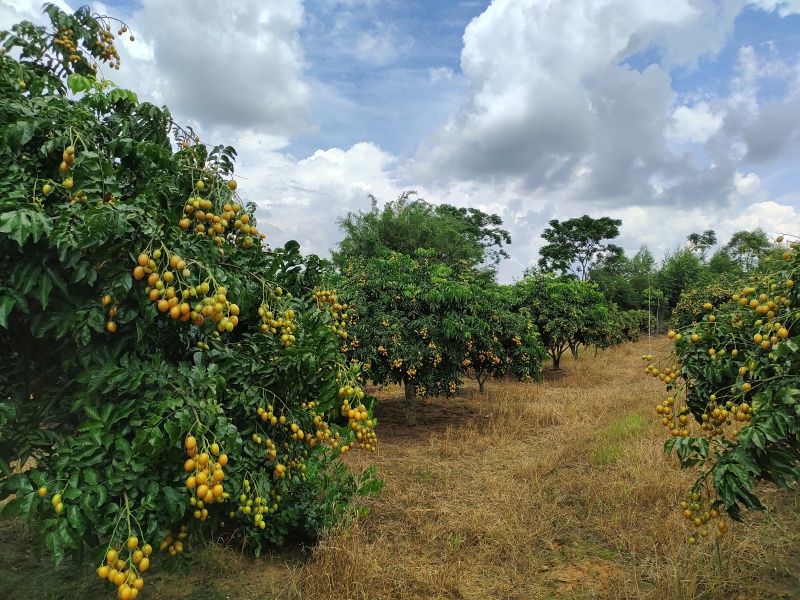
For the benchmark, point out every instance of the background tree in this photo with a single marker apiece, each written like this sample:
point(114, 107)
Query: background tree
point(502, 340)
point(700, 243)
point(748, 248)
point(565, 312)
point(578, 243)
point(681, 270)
point(410, 324)
point(406, 224)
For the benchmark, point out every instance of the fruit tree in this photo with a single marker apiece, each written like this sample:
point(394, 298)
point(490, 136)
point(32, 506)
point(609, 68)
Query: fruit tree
point(566, 312)
point(165, 374)
point(417, 322)
point(733, 405)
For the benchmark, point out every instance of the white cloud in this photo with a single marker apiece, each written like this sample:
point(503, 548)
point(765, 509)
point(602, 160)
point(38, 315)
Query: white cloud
point(225, 63)
point(440, 73)
point(302, 199)
point(553, 120)
point(784, 7)
point(694, 124)
point(14, 11)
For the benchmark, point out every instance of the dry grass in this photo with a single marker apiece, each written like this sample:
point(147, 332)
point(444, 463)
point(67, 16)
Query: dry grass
point(559, 489)
point(535, 491)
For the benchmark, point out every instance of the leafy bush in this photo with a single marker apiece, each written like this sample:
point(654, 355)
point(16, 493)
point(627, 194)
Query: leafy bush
point(165, 373)
point(735, 371)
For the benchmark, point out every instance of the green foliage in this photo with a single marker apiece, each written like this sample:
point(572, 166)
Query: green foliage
point(503, 341)
point(681, 271)
point(701, 242)
point(99, 387)
point(690, 308)
point(740, 379)
point(578, 241)
point(404, 225)
point(566, 313)
point(748, 248)
point(422, 323)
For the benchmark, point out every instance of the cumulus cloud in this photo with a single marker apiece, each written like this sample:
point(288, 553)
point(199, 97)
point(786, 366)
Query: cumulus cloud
point(694, 124)
point(303, 199)
point(553, 103)
point(228, 63)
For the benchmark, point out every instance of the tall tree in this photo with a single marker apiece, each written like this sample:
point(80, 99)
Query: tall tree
point(404, 225)
point(576, 244)
point(423, 324)
point(700, 243)
point(681, 271)
point(747, 248)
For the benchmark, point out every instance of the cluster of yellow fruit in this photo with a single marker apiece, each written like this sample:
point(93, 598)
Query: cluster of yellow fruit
point(62, 37)
point(328, 301)
point(678, 425)
point(322, 433)
point(173, 543)
point(359, 422)
point(219, 218)
point(107, 50)
point(56, 500)
point(125, 573)
point(278, 322)
point(716, 417)
point(205, 467)
point(111, 325)
point(256, 505)
point(168, 286)
point(669, 374)
point(487, 359)
point(67, 158)
point(699, 512)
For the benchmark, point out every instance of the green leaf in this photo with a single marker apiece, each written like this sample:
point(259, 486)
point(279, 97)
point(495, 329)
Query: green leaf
point(78, 83)
point(45, 285)
point(91, 476)
point(56, 546)
point(6, 306)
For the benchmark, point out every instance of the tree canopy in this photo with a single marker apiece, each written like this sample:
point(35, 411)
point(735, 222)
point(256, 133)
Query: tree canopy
point(576, 244)
point(406, 224)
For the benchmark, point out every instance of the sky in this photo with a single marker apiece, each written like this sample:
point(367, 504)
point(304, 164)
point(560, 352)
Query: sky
point(675, 116)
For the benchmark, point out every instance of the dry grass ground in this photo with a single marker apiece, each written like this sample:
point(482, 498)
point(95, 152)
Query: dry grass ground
point(548, 490)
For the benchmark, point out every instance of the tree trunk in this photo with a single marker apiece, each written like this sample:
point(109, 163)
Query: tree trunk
point(480, 384)
point(411, 407)
point(556, 361)
point(574, 349)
